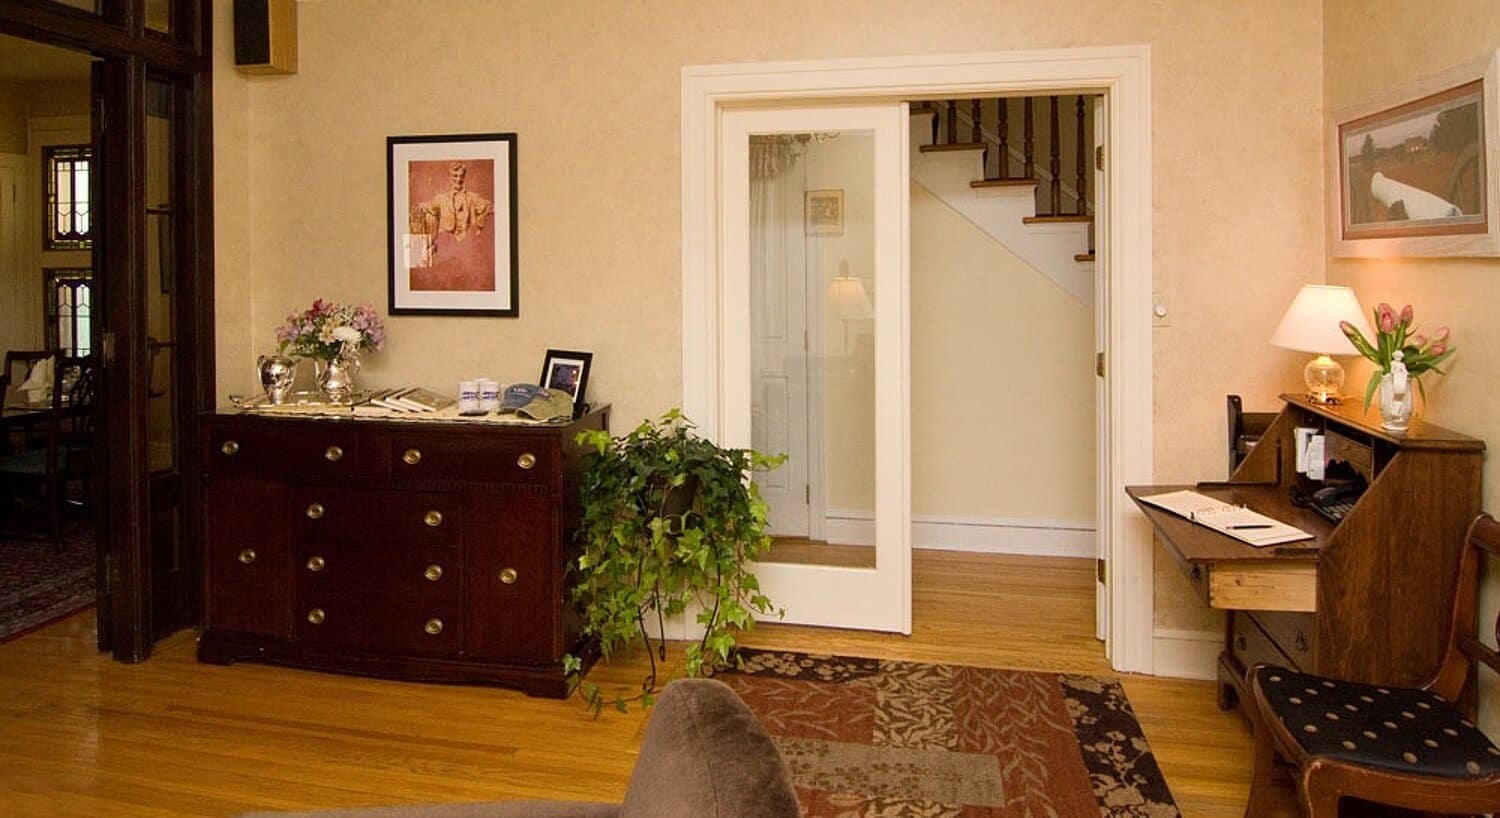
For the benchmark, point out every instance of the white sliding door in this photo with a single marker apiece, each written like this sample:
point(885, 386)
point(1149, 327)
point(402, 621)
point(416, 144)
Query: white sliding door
point(814, 318)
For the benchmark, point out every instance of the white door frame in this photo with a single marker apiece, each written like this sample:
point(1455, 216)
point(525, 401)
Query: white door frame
point(1121, 72)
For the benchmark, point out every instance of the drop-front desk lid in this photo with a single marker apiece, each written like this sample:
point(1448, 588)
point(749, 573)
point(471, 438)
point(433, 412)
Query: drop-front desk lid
point(1193, 543)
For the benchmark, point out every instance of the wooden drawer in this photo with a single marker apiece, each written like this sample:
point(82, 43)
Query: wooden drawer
point(248, 570)
point(305, 451)
point(478, 458)
point(514, 572)
point(379, 623)
point(417, 575)
point(1250, 644)
point(1295, 635)
point(325, 514)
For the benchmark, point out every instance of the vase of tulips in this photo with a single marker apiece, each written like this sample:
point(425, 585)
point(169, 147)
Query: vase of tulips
point(333, 335)
point(1402, 355)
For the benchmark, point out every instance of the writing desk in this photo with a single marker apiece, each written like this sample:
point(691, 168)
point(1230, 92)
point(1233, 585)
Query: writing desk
point(1367, 599)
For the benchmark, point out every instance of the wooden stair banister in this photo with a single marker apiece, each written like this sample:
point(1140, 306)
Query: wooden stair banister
point(1002, 130)
point(1083, 162)
point(1055, 143)
point(1028, 170)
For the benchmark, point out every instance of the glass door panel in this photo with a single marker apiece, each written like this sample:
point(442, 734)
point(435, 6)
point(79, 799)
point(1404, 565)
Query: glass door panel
point(813, 246)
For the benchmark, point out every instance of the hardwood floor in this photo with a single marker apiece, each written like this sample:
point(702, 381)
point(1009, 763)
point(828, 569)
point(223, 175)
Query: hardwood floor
point(81, 735)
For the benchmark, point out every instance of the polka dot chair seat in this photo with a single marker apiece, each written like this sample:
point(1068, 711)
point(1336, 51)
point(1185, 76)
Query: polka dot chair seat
point(1390, 728)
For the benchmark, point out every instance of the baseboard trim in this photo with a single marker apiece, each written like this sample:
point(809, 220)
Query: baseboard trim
point(983, 535)
point(1184, 654)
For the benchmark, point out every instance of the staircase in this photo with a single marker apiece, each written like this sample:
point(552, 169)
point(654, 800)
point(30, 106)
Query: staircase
point(963, 153)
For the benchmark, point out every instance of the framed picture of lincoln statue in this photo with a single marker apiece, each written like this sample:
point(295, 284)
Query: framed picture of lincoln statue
point(451, 216)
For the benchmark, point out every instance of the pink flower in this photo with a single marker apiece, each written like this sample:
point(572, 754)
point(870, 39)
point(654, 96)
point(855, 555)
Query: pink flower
point(1438, 347)
point(1346, 327)
point(1387, 322)
point(1440, 336)
point(1406, 314)
point(1419, 340)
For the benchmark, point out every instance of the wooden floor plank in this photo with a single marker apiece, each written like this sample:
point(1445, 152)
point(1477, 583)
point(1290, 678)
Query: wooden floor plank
point(83, 736)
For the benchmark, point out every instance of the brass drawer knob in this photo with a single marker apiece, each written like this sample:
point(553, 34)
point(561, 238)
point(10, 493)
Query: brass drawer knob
point(247, 556)
point(508, 576)
point(316, 616)
point(334, 454)
point(526, 460)
point(433, 573)
point(315, 511)
point(230, 447)
point(412, 457)
point(433, 627)
point(433, 519)
point(316, 564)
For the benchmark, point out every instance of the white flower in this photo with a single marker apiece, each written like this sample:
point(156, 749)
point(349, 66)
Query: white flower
point(348, 335)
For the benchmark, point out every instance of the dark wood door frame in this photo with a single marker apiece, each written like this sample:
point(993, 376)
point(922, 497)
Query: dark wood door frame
point(130, 52)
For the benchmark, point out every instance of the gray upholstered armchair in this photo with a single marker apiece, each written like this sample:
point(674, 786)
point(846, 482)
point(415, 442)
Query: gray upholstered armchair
point(704, 754)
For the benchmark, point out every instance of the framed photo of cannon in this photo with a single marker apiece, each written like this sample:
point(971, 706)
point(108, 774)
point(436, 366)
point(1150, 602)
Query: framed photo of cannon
point(1417, 171)
point(451, 224)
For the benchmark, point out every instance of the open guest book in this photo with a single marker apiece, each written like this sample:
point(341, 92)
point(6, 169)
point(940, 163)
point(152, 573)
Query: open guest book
point(1226, 518)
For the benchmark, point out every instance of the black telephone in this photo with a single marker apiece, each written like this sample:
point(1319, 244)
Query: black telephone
point(1335, 501)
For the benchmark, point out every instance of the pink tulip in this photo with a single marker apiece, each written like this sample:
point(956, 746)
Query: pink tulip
point(1419, 340)
point(1346, 327)
point(1438, 348)
point(1387, 322)
point(1406, 314)
point(1441, 335)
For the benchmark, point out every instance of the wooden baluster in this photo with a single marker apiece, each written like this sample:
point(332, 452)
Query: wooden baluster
point(1029, 142)
point(1083, 161)
point(1003, 129)
point(976, 135)
point(952, 122)
point(1056, 163)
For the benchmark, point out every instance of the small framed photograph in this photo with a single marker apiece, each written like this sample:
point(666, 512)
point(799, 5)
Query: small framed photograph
point(1416, 169)
point(824, 212)
point(451, 224)
point(567, 370)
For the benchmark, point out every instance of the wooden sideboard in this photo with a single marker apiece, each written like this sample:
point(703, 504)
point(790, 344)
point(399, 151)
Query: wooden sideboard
point(1367, 599)
point(428, 551)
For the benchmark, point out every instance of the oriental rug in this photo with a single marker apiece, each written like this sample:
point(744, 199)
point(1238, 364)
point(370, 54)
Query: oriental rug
point(874, 738)
point(38, 585)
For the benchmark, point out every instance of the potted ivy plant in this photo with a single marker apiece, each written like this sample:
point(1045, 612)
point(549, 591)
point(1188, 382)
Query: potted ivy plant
point(670, 520)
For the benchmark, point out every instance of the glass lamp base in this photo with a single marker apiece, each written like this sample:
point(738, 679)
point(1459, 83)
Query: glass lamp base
point(1324, 378)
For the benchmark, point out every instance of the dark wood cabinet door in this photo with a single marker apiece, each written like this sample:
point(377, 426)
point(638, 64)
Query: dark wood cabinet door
point(513, 573)
point(249, 557)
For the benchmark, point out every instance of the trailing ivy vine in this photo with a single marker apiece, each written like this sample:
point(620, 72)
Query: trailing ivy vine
point(670, 520)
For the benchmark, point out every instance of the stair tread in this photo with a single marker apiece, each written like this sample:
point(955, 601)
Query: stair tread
point(1056, 219)
point(1084, 257)
point(954, 146)
point(1004, 183)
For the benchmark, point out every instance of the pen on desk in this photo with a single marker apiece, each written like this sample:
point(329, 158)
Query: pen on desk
point(1243, 527)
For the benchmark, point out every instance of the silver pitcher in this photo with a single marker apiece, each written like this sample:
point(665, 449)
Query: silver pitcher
point(277, 372)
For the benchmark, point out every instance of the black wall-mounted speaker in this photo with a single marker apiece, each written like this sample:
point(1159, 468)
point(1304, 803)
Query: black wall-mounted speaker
point(265, 36)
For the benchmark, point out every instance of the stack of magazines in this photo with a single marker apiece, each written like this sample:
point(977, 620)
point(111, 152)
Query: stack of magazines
point(411, 399)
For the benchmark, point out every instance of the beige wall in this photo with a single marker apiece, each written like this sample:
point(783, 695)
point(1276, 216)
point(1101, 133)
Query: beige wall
point(1366, 53)
point(593, 89)
point(1002, 378)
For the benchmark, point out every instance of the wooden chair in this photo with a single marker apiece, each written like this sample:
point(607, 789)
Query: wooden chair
point(1245, 429)
point(69, 451)
point(1400, 747)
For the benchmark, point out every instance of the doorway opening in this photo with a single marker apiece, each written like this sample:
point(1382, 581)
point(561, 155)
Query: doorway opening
point(50, 494)
point(718, 377)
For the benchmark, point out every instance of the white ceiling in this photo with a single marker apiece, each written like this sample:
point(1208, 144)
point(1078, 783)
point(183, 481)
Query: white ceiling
point(25, 60)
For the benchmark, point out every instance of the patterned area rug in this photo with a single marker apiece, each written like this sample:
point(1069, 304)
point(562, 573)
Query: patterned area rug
point(38, 585)
point(870, 738)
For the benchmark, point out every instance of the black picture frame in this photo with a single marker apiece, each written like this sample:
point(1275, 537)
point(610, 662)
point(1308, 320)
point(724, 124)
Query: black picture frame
point(584, 361)
point(400, 149)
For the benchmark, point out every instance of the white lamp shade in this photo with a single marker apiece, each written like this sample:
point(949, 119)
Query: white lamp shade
point(1311, 323)
point(850, 300)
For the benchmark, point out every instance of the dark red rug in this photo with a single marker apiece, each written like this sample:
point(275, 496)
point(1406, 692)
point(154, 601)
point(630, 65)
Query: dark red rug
point(39, 585)
point(870, 738)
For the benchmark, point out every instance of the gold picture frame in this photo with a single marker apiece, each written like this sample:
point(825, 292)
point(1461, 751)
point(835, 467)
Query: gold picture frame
point(823, 212)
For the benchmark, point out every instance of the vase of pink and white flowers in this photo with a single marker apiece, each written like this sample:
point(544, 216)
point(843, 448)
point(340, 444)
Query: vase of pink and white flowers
point(1402, 355)
point(333, 335)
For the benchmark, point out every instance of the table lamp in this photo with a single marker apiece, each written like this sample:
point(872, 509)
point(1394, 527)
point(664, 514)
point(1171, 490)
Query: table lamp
point(851, 302)
point(1311, 324)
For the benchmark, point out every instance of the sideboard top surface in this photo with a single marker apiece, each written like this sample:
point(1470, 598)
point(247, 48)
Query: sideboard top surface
point(1421, 435)
point(445, 421)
